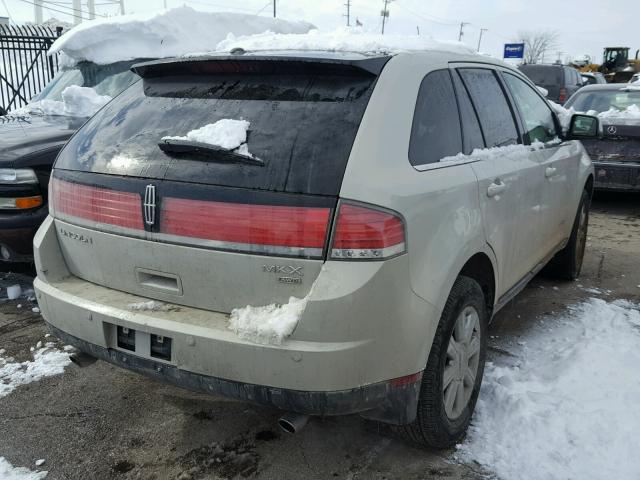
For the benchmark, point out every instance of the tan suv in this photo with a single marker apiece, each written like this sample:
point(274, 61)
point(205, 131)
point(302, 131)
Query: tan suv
point(344, 257)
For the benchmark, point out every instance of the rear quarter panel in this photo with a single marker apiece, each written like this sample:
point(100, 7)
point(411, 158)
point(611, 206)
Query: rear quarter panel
point(440, 206)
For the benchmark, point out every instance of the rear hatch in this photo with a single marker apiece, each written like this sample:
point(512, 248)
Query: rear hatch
point(201, 229)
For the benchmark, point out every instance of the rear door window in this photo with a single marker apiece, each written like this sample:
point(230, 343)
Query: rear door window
point(535, 112)
point(543, 74)
point(303, 121)
point(496, 118)
point(471, 132)
point(435, 133)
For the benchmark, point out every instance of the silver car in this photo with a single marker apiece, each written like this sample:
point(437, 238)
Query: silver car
point(390, 205)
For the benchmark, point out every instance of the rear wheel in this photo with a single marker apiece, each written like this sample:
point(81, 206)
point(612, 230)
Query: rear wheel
point(567, 263)
point(452, 378)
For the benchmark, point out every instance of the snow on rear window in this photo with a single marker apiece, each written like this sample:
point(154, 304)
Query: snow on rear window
point(227, 133)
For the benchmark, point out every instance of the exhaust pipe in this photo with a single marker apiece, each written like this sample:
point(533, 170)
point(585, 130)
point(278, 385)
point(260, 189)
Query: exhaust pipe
point(292, 422)
point(82, 360)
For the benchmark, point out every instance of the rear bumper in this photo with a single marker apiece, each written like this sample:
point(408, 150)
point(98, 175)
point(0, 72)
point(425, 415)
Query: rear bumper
point(382, 401)
point(16, 234)
point(617, 176)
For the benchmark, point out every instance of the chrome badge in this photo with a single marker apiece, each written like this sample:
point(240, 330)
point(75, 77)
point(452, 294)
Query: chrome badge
point(149, 205)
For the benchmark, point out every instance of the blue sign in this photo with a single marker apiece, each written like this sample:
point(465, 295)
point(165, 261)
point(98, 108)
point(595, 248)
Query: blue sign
point(513, 50)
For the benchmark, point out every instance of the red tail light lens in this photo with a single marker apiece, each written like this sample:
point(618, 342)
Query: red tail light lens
point(96, 205)
point(285, 230)
point(563, 95)
point(364, 233)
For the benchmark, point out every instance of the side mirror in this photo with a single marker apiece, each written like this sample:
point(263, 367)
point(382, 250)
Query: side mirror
point(583, 127)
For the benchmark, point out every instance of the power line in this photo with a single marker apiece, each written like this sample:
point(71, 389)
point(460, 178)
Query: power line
point(46, 4)
point(427, 18)
point(7, 9)
point(58, 11)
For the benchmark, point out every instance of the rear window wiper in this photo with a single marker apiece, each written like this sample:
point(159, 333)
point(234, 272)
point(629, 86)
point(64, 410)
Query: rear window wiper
point(206, 152)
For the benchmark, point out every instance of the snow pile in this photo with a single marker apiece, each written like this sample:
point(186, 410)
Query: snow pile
point(9, 472)
point(493, 152)
point(14, 291)
point(47, 361)
point(152, 306)
point(270, 324)
point(568, 409)
point(227, 133)
point(76, 102)
point(564, 114)
point(169, 33)
point(632, 112)
point(341, 40)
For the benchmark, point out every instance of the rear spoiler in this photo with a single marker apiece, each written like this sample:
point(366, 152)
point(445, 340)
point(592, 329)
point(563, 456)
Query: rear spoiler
point(254, 64)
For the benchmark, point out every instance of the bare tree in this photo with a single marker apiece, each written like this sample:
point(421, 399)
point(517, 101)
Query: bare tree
point(538, 43)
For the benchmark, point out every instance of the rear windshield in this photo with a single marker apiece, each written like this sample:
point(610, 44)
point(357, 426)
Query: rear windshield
point(301, 126)
point(543, 75)
point(604, 100)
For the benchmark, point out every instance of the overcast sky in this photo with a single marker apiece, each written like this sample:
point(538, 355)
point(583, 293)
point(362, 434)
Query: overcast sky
point(585, 26)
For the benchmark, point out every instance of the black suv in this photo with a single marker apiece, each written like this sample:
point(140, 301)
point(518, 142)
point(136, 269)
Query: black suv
point(30, 142)
point(559, 80)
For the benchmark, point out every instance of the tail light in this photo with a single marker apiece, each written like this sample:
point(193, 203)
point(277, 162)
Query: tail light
point(92, 205)
point(563, 95)
point(267, 229)
point(367, 233)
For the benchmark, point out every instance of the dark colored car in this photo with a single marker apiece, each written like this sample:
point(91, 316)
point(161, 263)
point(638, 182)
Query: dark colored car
point(29, 143)
point(593, 78)
point(559, 80)
point(616, 155)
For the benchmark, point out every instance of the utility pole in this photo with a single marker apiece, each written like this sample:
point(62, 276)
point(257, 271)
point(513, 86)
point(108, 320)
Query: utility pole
point(37, 11)
point(482, 30)
point(121, 7)
point(274, 8)
point(77, 12)
point(91, 8)
point(348, 5)
point(462, 25)
point(385, 13)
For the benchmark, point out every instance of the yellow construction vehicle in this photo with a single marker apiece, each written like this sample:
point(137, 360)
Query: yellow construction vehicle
point(616, 65)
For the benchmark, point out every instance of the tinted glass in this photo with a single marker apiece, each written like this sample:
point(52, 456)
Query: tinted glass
point(543, 74)
point(471, 132)
point(435, 133)
point(589, 79)
point(536, 114)
point(108, 79)
point(493, 110)
point(302, 125)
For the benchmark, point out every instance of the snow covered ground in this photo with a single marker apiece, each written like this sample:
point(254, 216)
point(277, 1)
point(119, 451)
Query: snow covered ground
point(567, 407)
point(175, 32)
point(9, 472)
point(47, 361)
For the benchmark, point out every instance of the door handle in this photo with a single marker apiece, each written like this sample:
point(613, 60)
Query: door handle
point(496, 188)
point(550, 172)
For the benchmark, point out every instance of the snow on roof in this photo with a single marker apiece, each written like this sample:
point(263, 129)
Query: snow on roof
point(340, 40)
point(170, 33)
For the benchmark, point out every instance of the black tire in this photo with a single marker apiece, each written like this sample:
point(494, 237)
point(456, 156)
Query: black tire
point(432, 426)
point(567, 263)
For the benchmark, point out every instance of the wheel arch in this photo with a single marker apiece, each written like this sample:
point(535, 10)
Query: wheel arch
point(480, 268)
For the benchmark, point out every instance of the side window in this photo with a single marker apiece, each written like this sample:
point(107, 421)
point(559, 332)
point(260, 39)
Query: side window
point(536, 114)
point(471, 131)
point(495, 116)
point(435, 132)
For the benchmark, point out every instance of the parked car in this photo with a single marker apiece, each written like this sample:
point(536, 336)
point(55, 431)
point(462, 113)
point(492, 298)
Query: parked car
point(616, 155)
point(559, 80)
point(593, 78)
point(356, 213)
point(29, 143)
